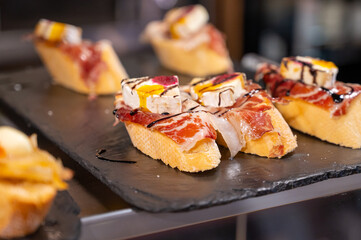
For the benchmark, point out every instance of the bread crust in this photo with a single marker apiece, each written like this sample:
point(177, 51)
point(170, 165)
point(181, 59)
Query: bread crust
point(67, 73)
point(308, 118)
point(29, 180)
point(200, 61)
point(24, 207)
point(203, 156)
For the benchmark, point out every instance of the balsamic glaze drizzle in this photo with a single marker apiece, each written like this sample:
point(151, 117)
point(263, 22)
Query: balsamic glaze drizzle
point(138, 81)
point(202, 81)
point(161, 119)
point(225, 90)
point(312, 71)
point(191, 109)
point(338, 98)
point(247, 95)
point(102, 150)
point(167, 89)
point(133, 112)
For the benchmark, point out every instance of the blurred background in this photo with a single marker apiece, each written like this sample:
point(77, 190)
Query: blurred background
point(327, 29)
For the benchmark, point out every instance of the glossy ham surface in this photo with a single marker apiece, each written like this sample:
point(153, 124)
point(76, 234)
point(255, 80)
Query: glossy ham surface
point(249, 113)
point(335, 99)
point(88, 56)
point(185, 128)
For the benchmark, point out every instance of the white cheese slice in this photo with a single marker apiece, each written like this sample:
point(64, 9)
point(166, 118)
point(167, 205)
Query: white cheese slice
point(186, 21)
point(57, 32)
point(309, 70)
point(219, 91)
point(158, 95)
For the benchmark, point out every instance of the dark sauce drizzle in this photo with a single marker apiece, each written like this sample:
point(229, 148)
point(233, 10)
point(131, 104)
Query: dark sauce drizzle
point(338, 98)
point(161, 119)
point(247, 95)
point(136, 81)
point(202, 81)
point(219, 95)
point(167, 89)
point(191, 110)
point(102, 150)
point(133, 112)
point(312, 71)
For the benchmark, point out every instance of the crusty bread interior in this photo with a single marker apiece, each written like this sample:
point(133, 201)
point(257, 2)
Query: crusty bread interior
point(67, 73)
point(200, 61)
point(308, 118)
point(203, 156)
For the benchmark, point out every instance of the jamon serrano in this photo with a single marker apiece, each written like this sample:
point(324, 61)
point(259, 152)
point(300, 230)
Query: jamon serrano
point(185, 42)
point(254, 121)
point(160, 129)
point(317, 104)
point(335, 99)
point(239, 110)
point(81, 65)
point(186, 129)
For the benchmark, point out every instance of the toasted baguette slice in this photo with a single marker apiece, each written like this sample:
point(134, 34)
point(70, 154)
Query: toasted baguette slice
point(24, 206)
point(200, 61)
point(308, 118)
point(203, 156)
point(273, 144)
point(67, 73)
point(29, 180)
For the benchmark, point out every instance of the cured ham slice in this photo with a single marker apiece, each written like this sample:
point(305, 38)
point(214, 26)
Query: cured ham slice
point(335, 99)
point(247, 122)
point(81, 65)
point(186, 139)
point(88, 56)
point(186, 129)
point(332, 114)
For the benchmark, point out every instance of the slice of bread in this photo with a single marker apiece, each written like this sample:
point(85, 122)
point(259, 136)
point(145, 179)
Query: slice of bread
point(67, 73)
point(200, 61)
point(24, 205)
point(203, 156)
point(309, 118)
point(274, 144)
point(29, 180)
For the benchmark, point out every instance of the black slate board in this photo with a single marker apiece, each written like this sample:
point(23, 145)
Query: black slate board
point(80, 127)
point(62, 221)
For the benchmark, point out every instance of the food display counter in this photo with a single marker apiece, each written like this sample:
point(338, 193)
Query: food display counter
point(119, 200)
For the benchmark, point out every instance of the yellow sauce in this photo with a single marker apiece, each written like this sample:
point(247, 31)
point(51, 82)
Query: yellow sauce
point(56, 31)
point(323, 63)
point(209, 87)
point(146, 91)
point(174, 27)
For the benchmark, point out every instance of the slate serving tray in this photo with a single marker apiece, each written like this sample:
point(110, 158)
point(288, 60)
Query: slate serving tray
point(80, 127)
